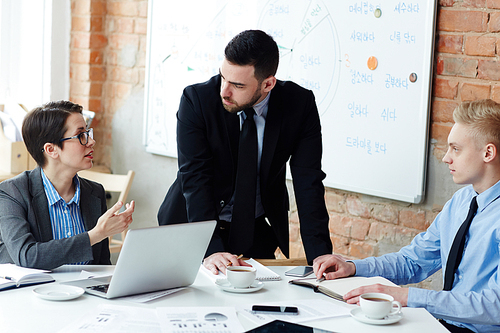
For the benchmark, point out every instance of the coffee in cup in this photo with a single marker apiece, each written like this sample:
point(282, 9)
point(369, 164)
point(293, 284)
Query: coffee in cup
point(378, 305)
point(241, 276)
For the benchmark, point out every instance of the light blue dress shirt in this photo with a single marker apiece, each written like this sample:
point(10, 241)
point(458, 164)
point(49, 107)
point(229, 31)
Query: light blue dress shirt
point(260, 123)
point(474, 300)
point(66, 218)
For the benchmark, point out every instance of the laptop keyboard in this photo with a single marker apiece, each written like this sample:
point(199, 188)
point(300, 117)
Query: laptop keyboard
point(101, 288)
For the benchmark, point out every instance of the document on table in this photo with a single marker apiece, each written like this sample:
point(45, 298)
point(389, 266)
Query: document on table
point(199, 319)
point(311, 309)
point(116, 318)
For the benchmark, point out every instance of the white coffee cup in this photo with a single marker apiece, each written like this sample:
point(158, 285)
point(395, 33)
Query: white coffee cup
point(378, 305)
point(241, 276)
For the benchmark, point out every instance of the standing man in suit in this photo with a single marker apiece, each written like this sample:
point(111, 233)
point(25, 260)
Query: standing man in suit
point(235, 134)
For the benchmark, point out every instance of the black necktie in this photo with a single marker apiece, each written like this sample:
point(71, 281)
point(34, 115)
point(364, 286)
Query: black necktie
point(457, 247)
point(243, 218)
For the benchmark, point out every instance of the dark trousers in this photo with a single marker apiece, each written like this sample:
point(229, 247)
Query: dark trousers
point(264, 244)
point(453, 328)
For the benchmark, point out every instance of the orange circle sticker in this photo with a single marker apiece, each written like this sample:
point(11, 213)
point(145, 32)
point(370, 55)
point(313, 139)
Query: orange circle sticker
point(372, 63)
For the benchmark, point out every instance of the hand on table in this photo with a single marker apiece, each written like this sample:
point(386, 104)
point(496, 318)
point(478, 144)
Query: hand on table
point(332, 266)
point(220, 260)
point(399, 294)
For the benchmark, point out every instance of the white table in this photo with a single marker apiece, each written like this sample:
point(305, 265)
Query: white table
point(22, 311)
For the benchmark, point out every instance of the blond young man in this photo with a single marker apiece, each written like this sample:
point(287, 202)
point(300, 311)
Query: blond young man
point(471, 302)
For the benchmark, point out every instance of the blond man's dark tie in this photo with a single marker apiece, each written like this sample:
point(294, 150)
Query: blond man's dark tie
point(457, 248)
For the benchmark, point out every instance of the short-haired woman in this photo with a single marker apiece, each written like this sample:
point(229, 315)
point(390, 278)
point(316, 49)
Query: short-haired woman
point(49, 216)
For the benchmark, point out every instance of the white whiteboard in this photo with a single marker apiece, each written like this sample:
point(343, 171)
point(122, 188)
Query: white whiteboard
point(374, 121)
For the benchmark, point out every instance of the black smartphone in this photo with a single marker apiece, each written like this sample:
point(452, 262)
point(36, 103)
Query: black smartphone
point(300, 271)
point(283, 326)
point(270, 309)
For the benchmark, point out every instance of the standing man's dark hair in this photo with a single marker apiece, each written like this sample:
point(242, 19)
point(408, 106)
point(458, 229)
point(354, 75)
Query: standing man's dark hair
point(254, 48)
point(46, 124)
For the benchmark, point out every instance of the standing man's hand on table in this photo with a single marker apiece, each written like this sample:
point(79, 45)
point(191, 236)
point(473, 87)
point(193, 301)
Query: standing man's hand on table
point(220, 260)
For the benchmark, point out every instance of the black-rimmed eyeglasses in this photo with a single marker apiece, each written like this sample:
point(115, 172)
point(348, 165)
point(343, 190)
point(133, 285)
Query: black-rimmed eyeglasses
point(82, 137)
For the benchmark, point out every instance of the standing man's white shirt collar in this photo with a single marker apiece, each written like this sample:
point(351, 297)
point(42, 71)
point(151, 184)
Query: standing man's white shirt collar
point(260, 109)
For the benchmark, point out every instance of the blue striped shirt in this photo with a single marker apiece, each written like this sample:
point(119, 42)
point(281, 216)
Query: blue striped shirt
point(66, 218)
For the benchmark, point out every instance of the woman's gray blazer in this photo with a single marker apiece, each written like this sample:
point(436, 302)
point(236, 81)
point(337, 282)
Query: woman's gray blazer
point(25, 228)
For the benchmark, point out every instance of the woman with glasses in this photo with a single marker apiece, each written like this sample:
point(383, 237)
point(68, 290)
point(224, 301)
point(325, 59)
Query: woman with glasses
point(49, 216)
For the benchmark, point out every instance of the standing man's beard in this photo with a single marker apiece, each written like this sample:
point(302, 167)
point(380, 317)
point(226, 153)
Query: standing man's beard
point(236, 107)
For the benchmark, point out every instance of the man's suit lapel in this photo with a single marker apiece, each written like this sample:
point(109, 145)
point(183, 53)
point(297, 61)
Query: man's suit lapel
point(40, 205)
point(271, 133)
point(233, 131)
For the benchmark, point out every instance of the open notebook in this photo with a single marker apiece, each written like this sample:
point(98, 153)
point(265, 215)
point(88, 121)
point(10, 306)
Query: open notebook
point(12, 276)
point(336, 289)
point(263, 273)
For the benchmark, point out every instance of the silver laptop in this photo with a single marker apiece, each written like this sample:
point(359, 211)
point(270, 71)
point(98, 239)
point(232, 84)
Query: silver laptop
point(154, 259)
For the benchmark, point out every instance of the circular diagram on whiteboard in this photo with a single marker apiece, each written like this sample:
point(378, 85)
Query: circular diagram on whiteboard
point(308, 43)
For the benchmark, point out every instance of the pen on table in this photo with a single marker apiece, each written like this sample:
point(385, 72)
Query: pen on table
point(237, 258)
point(6, 278)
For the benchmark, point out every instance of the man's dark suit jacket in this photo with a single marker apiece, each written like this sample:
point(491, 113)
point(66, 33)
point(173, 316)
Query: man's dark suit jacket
point(207, 140)
point(26, 232)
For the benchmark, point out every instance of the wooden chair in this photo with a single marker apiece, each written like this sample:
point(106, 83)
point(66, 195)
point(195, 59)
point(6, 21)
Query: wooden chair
point(112, 183)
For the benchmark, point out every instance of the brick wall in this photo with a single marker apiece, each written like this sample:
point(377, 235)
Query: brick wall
point(466, 67)
point(88, 41)
point(108, 63)
point(108, 52)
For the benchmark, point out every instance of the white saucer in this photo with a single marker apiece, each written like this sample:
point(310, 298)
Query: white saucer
point(359, 316)
point(58, 292)
point(226, 286)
